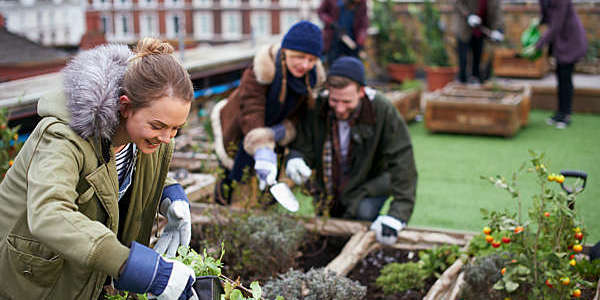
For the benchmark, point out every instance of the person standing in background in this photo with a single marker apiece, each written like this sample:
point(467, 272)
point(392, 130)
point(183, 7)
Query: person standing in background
point(471, 17)
point(346, 25)
point(566, 40)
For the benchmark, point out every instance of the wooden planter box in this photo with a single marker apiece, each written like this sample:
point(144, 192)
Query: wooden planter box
point(489, 110)
point(585, 99)
point(407, 102)
point(506, 64)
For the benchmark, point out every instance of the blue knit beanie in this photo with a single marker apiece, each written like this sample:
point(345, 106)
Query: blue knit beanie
point(304, 36)
point(349, 67)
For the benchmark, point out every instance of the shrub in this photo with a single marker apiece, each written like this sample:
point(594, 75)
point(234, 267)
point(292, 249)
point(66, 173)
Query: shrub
point(316, 284)
point(400, 277)
point(256, 246)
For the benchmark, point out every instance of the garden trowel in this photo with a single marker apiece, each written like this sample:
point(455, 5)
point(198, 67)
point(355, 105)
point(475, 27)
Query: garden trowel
point(282, 193)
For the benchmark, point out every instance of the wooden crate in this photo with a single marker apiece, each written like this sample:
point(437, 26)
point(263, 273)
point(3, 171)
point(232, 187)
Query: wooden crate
point(506, 64)
point(489, 110)
point(406, 102)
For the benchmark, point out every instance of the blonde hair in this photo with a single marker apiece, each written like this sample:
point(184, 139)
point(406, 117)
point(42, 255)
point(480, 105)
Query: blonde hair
point(154, 72)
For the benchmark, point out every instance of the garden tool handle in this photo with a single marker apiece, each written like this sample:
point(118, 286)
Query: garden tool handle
point(577, 174)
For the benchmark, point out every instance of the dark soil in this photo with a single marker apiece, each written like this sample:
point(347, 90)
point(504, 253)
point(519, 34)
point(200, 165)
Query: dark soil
point(367, 271)
point(319, 251)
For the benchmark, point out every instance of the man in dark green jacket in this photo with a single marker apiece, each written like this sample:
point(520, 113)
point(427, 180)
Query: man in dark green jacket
point(359, 146)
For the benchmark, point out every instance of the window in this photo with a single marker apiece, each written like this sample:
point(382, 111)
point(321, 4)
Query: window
point(231, 25)
point(123, 26)
point(230, 3)
point(260, 3)
point(122, 3)
point(105, 24)
point(289, 3)
point(148, 24)
point(175, 25)
point(174, 3)
point(202, 3)
point(147, 3)
point(261, 24)
point(101, 4)
point(287, 20)
point(203, 25)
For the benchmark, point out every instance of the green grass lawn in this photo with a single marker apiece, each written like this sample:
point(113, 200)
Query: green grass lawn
point(450, 192)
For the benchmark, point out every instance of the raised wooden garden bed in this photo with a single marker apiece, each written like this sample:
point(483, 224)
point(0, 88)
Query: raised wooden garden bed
point(585, 99)
point(407, 102)
point(507, 64)
point(489, 109)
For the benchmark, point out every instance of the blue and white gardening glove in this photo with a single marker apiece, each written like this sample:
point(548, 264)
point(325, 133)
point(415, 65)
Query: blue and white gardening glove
point(386, 229)
point(297, 170)
point(146, 272)
point(265, 165)
point(178, 232)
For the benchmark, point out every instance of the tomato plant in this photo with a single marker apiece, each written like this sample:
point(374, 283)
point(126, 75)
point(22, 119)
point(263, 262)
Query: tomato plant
point(540, 262)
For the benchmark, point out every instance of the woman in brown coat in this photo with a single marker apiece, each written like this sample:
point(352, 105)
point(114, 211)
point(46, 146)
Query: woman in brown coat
point(261, 113)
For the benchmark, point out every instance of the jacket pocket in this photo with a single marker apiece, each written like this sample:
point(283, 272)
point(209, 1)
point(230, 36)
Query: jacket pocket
point(107, 197)
point(31, 268)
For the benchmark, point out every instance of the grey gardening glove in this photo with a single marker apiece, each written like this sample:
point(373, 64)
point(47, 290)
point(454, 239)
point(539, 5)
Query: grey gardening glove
point(178, 231)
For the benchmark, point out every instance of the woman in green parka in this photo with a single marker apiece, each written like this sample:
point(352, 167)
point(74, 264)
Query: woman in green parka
point(78, 205)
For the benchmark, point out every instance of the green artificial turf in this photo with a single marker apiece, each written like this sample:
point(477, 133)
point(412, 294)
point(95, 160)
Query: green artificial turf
point(450, 192)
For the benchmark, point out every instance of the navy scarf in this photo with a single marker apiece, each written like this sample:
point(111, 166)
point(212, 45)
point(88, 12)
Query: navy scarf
point(275, 112)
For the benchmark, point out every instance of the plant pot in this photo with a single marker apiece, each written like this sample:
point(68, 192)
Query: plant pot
point(438, 77)
point(401, 72)
point(208, 288)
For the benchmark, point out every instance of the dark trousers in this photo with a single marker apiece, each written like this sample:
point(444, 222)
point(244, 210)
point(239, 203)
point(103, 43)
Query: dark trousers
point(368, 208)
point(475, 46)
point(564, 76)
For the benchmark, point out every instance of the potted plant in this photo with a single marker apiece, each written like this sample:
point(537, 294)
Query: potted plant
point(438, 68)
point(394, 43)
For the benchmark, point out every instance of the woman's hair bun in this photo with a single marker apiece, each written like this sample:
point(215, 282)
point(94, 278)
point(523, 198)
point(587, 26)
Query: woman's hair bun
point(150, 46)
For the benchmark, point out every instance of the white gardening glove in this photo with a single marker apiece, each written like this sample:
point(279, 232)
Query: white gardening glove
point(297, 170)
point(386, 229)
point(265, 165)
point(178, 230)
point(474, 20)
point(496, 36)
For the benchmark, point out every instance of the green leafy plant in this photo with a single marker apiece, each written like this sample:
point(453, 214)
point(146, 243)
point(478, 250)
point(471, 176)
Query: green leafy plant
point(541, 253)
point(433, 36)
point(393, 41)
point(9, 143)
point(400, 277)
point(205, 265)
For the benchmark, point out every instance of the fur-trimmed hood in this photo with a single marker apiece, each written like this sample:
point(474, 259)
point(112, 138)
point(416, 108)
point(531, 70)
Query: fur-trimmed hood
point(92, 83)
point(264, 66)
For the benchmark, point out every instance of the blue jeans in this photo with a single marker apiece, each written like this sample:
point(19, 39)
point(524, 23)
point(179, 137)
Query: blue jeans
point(368, 208)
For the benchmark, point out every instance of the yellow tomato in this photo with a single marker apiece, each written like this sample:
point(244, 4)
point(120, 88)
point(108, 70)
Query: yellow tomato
point(577, 248)
point(487, 230)
point(572, 262)
point(576, 293)
point(565, 281)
